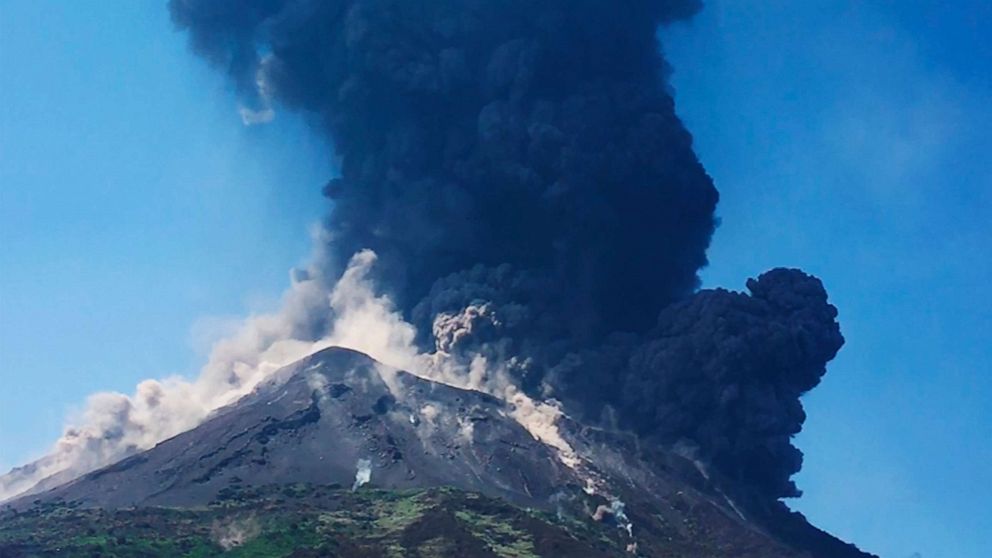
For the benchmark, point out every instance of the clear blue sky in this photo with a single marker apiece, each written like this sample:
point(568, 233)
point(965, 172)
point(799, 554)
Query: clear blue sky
point(851, 139)
point(136, 211)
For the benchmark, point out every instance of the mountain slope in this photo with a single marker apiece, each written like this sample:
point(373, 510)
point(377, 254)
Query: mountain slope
point(338, 418)
point(309, 520)
point(315, 421)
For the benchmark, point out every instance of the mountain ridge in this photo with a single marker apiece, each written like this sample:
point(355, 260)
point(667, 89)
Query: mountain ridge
point(324, 418)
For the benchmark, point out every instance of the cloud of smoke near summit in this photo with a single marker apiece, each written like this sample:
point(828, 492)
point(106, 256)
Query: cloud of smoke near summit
point(532, 134)
point(518, 210)
point(533, 200)
point(114, 425)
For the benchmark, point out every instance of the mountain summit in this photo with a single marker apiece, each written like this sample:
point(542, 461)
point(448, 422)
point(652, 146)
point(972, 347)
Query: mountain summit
point(339, 418)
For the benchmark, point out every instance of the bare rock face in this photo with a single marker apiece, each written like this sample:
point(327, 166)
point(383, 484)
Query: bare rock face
point(339, 418)
point(316, 420)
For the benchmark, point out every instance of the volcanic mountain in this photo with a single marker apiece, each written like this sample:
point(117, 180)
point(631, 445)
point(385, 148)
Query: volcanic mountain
point(338, 418)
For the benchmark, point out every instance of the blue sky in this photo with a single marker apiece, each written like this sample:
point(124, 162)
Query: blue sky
point(852, 139)
point(138, 215)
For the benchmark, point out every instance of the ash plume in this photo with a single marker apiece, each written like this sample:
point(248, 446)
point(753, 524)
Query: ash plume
point(536, 217)
point(537, 135)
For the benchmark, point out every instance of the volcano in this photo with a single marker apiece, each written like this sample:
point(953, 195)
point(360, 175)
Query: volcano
point(339, 419)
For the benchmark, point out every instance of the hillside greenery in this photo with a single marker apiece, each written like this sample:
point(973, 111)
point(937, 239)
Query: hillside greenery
point(306, 520)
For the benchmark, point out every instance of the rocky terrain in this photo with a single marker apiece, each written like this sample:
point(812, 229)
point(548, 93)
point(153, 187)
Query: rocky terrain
point(293, 451)
point(310, 520)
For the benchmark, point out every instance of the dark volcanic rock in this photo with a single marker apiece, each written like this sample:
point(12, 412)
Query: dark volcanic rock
point(315, 420)
point(323, 418)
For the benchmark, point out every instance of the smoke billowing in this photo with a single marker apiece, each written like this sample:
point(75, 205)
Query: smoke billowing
point(533, 203)
point(485, 133)
point(723, 372)
point(115, 425)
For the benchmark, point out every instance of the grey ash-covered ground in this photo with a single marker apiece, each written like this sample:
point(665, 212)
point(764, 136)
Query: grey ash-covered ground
point(318, 421)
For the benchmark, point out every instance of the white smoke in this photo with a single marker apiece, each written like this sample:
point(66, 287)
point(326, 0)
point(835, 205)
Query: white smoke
point(466, 430)
point(235, 532)
point(429, 412)
point(264, 113)
point(618, 510)
point(115, 425)
point(363, 474)
point(250, 117)
point(369, 323)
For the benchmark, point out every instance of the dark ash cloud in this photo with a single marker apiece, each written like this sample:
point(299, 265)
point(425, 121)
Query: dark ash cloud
point(520, 171)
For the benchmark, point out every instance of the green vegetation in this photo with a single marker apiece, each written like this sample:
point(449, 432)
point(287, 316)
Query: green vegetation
point(505, 540)
point(307, 521)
